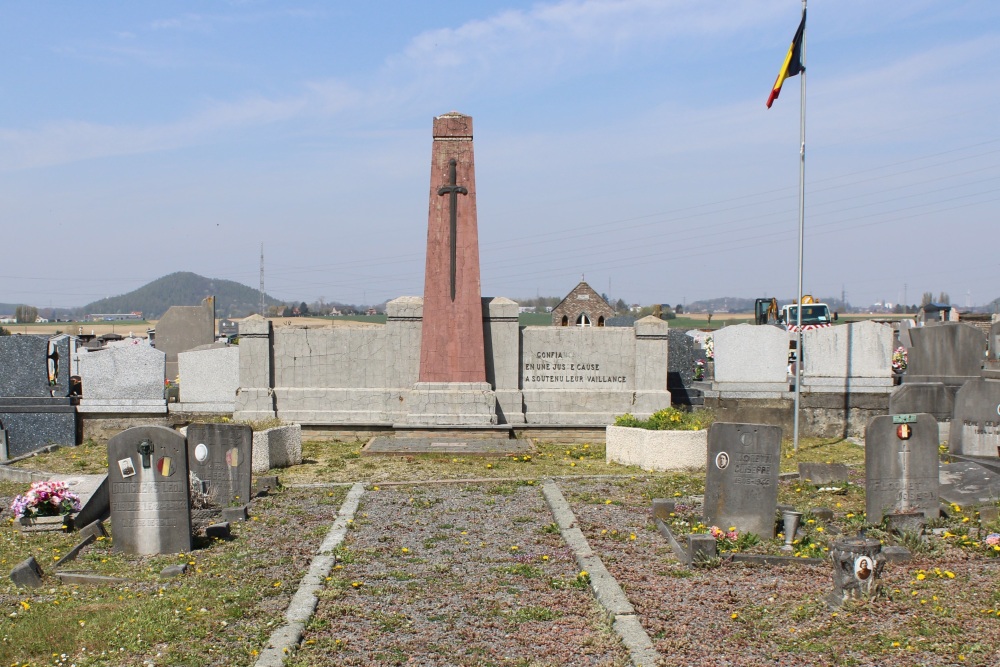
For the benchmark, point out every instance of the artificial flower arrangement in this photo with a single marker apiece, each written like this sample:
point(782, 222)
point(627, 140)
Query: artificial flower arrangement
point(899, 359)
point(699, 369)
point(710, 347)
point(46, 499)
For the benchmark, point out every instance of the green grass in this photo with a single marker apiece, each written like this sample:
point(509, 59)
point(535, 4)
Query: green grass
point(219, 612)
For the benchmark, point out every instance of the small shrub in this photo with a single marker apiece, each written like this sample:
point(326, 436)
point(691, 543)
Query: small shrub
point(669, 419)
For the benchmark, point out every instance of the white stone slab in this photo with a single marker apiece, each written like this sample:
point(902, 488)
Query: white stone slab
point(209, 375)
point(859, 349)
point(751, 353)
point(122, 373)
point(656, 450)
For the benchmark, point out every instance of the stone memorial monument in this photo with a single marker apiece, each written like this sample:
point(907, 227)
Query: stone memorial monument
point(452, 386)
point(36, 408)
point(148, 481)
point(741, 483)
point(901, 466)
point(220, 460)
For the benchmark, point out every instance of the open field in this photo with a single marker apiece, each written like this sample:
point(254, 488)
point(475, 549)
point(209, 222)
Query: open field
point(139, 327)
point(474, 572)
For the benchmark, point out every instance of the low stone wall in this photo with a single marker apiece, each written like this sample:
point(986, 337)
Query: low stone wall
point(656, 450)
point(822, 415)
point(277, 447)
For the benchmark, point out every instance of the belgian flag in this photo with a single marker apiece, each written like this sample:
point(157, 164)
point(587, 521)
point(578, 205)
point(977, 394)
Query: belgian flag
point(793, 61)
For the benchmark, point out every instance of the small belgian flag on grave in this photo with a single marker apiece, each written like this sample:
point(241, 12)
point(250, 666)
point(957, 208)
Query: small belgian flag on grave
point(793, 61)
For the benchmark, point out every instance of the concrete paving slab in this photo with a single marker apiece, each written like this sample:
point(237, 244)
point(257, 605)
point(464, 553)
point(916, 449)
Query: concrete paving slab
point(394, 446)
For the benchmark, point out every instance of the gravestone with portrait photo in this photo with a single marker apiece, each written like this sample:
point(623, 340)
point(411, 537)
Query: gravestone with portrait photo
point(220, 459)
point(741, 482)
point(36, 408)
point(148, 483)
point(901, 466)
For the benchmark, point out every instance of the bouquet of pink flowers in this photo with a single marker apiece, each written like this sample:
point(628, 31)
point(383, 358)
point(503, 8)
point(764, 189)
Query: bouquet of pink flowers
point(993, 544)
point(720, 534)
point(46, 499)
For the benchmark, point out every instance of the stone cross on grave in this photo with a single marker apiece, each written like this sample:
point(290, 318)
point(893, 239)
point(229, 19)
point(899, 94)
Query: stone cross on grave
point(453, 190)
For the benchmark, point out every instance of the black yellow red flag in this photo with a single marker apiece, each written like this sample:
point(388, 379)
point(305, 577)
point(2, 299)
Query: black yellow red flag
point(793, 61)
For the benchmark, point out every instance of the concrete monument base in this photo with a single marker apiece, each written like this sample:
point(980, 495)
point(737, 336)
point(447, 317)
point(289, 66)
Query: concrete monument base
point(451, 404)
point(124, 406)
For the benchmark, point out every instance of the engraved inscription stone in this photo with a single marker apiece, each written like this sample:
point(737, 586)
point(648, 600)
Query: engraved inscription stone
point(741, 483)
point(220, 457)
point(901, 467)
point(148, 478)
point(975, 429)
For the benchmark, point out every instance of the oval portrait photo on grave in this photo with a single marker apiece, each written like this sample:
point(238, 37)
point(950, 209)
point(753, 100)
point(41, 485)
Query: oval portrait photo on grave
point(722, 460)
point(863, 568)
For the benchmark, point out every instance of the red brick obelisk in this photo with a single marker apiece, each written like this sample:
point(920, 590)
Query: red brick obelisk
point(451, 343)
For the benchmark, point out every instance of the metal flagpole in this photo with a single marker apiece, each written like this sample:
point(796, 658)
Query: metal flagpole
point(802, 218)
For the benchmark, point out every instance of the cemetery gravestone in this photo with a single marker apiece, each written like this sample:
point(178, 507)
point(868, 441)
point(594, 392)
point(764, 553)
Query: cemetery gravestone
point(901, 466)
point(184, 328)
point(210, 376)
point(950, 353)
point(220, 459)
point(36, 409)
point(682, 356)
point(741, 483)
point(853, 357)
point(126, 379)
point(150, 503)
point(750, 362)
point(975, 429)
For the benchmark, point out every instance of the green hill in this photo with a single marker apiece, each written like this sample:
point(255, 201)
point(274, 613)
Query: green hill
point(184, 289)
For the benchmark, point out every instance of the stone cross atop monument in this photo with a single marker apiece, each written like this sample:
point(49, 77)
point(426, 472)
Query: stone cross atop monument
point(451, 348)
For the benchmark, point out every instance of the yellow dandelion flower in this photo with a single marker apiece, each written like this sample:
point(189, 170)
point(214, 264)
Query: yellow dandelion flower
point(734, 615)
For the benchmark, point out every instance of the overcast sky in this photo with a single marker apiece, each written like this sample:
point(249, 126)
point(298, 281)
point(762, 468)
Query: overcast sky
point(627, 141)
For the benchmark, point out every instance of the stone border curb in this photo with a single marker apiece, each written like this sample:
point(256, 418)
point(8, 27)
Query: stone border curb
point(607, 591)
point(284, 639)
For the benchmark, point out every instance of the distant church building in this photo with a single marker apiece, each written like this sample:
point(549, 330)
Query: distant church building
point(582, 307)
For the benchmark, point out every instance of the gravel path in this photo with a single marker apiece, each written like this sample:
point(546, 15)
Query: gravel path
point(457, 574)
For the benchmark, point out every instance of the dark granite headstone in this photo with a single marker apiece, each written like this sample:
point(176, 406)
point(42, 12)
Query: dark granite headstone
point(682, 354)
point(148, 477)
point(952, 353)
point(32, 368)
point(901, 466)
point(220, 456)
point(35, 407)
point(741, 483)
point(975, 429)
